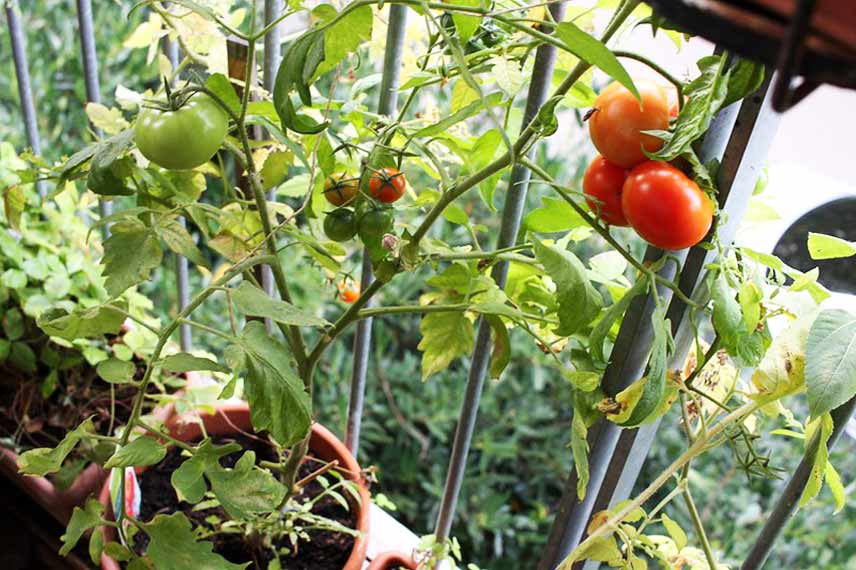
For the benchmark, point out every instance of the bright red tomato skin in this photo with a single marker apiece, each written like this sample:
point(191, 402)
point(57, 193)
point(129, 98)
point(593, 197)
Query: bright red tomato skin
point(665, 207)
point(603, 181)
point(618, 121)
point(387, 185)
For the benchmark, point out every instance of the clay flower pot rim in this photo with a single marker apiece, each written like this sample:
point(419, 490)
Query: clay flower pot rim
point(233, 417)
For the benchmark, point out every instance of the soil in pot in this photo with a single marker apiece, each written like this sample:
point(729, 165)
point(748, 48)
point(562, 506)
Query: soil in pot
point(325, 551)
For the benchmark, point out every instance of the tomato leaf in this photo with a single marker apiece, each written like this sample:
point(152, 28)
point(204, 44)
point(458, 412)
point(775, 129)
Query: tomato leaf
point(82, 520)
point(705, 96)
point(255, 302)
point(220, 85)
point(130, 254)
point(44, 460)
point(467, 24)
point(820, 428)
point(822, 246)
point(555, 215)
point(141, 452)
point(173, 546)
point(598, 334)
point(593, 51)
point(501, 346)
point(445, 337)
point(579, 450)
point(183, 362)
point(278, 400)
point(188, 479)
point(830, 365)
point(462, 114)
point(83, 323)
point(345, 36)
point(178, 239)
point(579, 301)
point(745, 77)
point(116, 371)
point(246, 489)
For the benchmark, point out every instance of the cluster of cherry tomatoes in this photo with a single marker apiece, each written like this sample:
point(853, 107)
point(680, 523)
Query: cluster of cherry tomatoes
point(624, 188)
point(371, 219)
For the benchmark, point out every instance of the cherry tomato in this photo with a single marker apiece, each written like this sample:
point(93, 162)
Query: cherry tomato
point(340, 189)
point(603, 182)
point(349, 291)
point(340, 224)
point(182, 139)
point(618, 121)
point(665, 207)
point(387, 185)
point(374, 223)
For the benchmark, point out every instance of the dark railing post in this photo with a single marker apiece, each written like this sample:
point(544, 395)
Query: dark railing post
point(90, 71)
point(25, 91)
point(786, 505)
point(740, 136)
point(387, 105)
point(272, 58)
point(539, 88)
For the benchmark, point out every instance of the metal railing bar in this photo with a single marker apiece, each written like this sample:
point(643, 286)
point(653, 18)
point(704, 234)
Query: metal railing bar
point(182, 268)
point(787, 503)
point(515, 200)
point(741, 136)
point(25, 90)
point(270, 65)
point(387, 105)
point(90, 74)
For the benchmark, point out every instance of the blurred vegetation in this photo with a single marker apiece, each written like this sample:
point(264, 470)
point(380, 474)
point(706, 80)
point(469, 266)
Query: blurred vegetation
point(519, 456)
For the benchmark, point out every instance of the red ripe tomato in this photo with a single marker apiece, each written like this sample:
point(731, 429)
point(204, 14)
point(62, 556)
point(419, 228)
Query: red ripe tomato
point(618, 121)
point(603, 181)
point(387, 185)
point(665, 207)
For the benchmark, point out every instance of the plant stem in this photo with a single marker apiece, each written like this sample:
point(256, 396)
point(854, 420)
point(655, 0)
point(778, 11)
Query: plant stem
point(699, 446)
point(699, 528)
point(679, 85)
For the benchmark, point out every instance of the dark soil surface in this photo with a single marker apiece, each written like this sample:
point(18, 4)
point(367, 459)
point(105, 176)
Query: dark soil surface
point(325, 551)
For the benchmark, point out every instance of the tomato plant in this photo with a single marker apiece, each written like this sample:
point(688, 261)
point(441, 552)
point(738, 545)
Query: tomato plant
point(184, 137)
point(602, 184)
point(665, 207)
point(618, 122)
point(456, 133)
point(387, 185)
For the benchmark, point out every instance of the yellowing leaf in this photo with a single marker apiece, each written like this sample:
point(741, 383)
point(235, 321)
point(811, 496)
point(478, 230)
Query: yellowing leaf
point(445, 337)
point(108, 119)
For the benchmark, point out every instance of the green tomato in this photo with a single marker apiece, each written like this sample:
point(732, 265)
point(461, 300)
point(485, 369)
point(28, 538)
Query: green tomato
point(182, 139)
point(340, 224)
point(374, 223)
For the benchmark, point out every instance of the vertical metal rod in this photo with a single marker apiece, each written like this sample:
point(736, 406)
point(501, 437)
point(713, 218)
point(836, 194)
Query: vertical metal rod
point(787, 503)
point(515, 200)
point(25, 92)
point(182, 279)
point(90, 71)
point(272, 58)
point(740, 137)
point(387, 105)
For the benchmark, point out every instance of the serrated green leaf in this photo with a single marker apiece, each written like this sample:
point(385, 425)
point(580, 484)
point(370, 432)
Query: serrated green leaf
point(467, 24)
point(173, 546)
point(465, 113)
point(830, 361)
point(579, 302)
point(138, 453)
point(445, 337)
point(255, 302)
point(345, 37)
point(178, 239)
point(82, 520)
point(675, 531)
point(188, 480)
point(555, 215)
point(278, 400)
point(130, 254)
point(246, 489)
point(44, 460)
point(84, 323)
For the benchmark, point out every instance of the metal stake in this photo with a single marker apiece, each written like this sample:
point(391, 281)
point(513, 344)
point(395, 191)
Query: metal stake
point(90, 73)
point(25, 91)
point(539, 87)
point(387, 105)
point(741, 137)
point(273, 56)
point(787, 503)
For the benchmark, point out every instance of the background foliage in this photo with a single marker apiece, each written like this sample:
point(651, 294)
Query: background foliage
point(519, 452)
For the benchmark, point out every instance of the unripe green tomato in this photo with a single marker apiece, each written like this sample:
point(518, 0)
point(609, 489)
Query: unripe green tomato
point(182, 139)
point(340, 224)
point(374, 223)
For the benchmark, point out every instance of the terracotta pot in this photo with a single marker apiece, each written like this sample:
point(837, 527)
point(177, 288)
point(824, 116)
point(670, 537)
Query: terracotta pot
point(58, 502)
point(393, 561)
point(233, 418)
